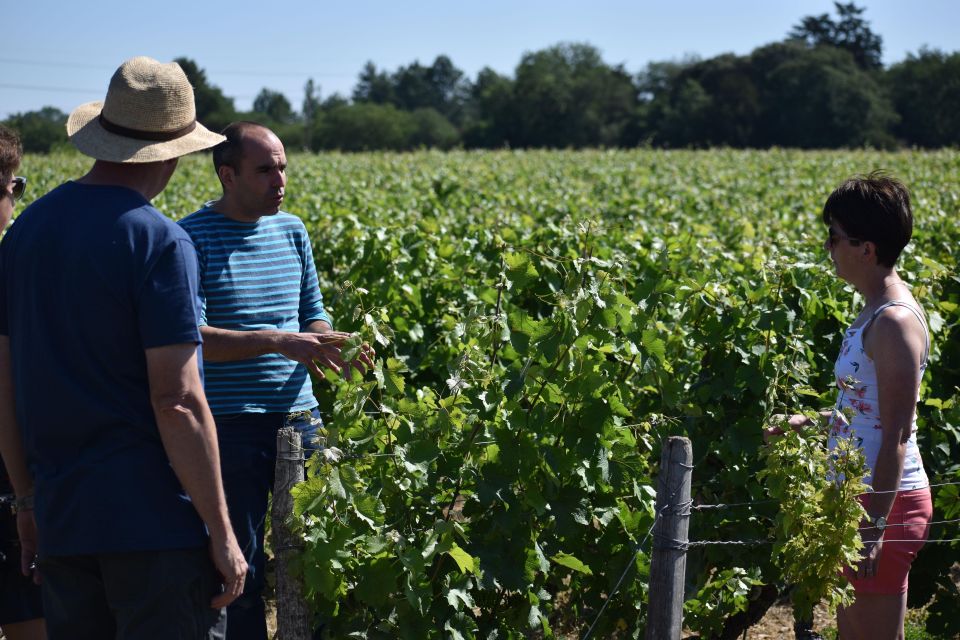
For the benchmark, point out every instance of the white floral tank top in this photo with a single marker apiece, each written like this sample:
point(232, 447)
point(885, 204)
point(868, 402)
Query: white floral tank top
point(857, 415)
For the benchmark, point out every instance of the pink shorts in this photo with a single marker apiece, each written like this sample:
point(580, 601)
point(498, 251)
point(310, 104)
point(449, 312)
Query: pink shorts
point(909, 522)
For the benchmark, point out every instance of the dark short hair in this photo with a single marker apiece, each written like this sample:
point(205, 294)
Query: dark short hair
point(230, 151)
point(11, 151)
point(875, 208)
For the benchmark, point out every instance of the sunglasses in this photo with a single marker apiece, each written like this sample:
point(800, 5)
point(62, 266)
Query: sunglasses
point(19, 186)
point(835, 237)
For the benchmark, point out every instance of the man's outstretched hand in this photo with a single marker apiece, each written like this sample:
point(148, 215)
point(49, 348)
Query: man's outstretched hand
point(318, 351)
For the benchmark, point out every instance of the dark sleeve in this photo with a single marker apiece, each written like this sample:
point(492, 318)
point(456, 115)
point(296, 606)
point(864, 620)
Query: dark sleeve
point(168, 307)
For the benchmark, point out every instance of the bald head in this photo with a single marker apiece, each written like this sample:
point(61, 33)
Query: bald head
point(252, 166)
point(230, 152)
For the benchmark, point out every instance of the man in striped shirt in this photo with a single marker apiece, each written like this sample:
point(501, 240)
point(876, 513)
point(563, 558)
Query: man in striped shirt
point(264, 327)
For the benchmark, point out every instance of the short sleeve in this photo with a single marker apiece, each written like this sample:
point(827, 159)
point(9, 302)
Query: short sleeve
point(201, 292)
point(168, 303)
point(311, 300)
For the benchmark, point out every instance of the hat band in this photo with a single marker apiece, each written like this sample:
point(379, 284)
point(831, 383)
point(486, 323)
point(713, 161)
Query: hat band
point(139, 134)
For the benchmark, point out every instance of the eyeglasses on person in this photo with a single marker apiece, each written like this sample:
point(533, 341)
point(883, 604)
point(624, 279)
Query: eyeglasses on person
point(19, 186)
point(835, 237)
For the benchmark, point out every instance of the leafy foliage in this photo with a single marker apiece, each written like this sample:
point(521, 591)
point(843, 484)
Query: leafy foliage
point(924, 88)
point(850, 32)
point(40, 131)
point(817, 526)
point(823, 86)
point(723, 596)
point(542, 321)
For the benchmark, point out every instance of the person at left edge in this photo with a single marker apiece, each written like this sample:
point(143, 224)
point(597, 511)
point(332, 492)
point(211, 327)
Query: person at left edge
point(99, 356)
point(21, 610)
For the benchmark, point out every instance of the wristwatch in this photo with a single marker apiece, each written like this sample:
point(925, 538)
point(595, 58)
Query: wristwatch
point(879, 523)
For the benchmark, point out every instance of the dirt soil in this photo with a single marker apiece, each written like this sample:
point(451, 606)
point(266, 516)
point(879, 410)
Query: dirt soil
point(778, 623)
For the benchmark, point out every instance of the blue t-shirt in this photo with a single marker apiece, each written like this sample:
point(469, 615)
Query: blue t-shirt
point(256, 275)
point(90, 277)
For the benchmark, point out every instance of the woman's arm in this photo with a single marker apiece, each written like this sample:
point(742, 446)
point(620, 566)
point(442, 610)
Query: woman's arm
point(896, 343)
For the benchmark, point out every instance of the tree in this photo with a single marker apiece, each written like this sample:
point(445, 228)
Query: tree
point(309, 110)
point(440, 87)
point(432, 129)
point(819, 98)
point(488, 111)
point(925, 89)
point(40, 131)
point(567, 96)
point(412, 88)
point(373, 86)
point(334, 101)
point(275, 105)
point(449, 87)
point(214, 109)
point(787, 94)
point(850, 32)
point(364, 127)
point(709, 102)
point(658, 78)
point(682, 119)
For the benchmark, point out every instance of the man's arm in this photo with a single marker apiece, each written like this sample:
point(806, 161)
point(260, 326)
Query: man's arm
point(313, 349)
point(11, 446)
point(190, 440)
point(319, 326)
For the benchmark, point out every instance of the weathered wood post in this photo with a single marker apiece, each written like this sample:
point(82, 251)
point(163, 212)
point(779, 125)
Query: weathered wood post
point(668, 563)
point(293, 616)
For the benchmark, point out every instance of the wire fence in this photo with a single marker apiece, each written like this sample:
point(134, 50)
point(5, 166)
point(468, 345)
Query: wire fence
point(664, 510)
point(709, 507)
point(686, 509)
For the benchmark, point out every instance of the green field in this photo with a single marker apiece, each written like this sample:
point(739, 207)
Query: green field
point(542, 320)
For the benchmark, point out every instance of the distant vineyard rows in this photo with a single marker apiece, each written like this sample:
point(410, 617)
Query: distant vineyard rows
point(542, 320)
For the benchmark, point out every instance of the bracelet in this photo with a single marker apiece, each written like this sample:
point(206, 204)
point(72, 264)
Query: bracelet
point(23, 503)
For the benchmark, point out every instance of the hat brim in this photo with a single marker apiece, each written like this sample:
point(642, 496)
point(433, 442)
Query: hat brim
point(87, 135)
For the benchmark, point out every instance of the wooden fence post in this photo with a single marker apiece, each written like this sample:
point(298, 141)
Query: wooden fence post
point(293, 616)
point(668, 563)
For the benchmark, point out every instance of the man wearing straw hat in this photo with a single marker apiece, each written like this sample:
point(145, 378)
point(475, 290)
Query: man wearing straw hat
point(99, 353)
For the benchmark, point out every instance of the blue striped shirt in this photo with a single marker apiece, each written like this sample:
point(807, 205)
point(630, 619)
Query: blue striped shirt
point(256, 276)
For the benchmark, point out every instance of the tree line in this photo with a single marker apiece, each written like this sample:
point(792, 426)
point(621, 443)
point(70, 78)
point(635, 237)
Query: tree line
point(822, 86)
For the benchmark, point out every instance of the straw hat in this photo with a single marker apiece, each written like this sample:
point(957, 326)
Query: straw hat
point(148, 116)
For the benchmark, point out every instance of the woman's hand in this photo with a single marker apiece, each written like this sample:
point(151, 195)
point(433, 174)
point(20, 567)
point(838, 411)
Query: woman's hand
point(796, 422)
point(870, 554)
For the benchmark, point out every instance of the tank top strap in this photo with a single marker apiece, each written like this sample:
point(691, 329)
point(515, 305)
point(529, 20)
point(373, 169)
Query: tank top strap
point(916, 312)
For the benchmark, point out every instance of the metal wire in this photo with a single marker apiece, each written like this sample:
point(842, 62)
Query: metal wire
point(623, 575)
point(707, 507)
point(929, 486)
point(912, 524)
point(681, 508)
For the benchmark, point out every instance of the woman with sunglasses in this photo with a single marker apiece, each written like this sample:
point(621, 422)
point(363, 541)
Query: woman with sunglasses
point(882, 358)
point(13, 186)
point(21, 613)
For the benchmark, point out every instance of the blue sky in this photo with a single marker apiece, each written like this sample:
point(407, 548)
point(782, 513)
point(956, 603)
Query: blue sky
point(63, 54)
